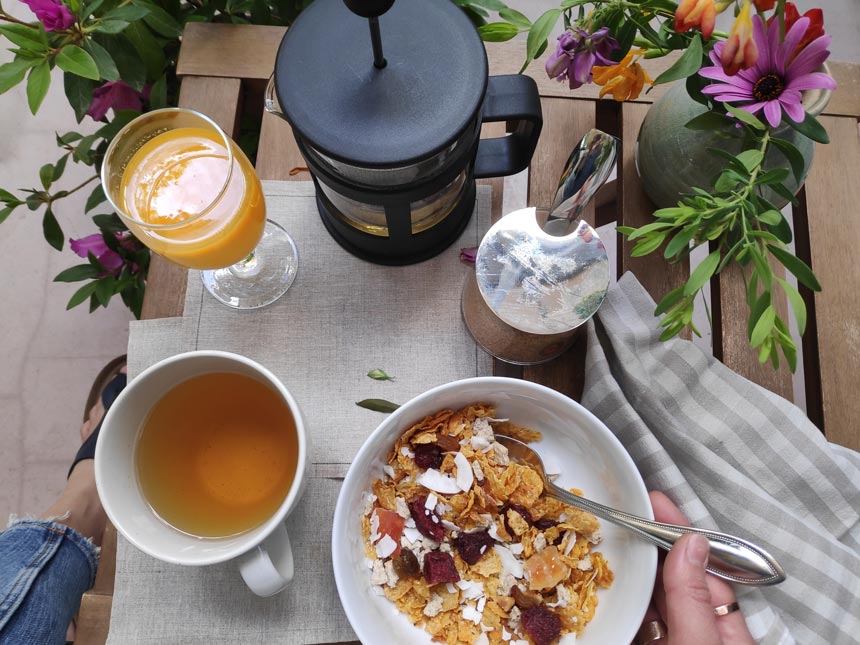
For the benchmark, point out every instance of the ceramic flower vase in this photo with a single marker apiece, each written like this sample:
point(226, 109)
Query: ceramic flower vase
point(672, 159)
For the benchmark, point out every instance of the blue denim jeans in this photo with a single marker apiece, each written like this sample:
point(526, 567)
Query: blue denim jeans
point(45, 567)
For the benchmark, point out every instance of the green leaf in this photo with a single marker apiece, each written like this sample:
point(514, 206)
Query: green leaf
point(109, 223)
point(150, 50)
point(379, 375)
point(811, 128)
point(158, 94)
point(539, 33)
point(96, 197)
point(69, 137)
point(111, 26)
point(762, 267)
point(702, 273)
point(783, 192)
point(82, 150)
point(160, 21)
point(6, 196)
point(793, 155)
point(773, 176)
point(492, 5)
point(746, 117)
point(38, 82)
point(75, 60)
point(756, 310)
point(79, 92)
point(763, 326)
point(81, 295)
point(105, 63)
point(727, 181)
point(104, 290)
point(669, 299)
point(4, 213)
point(797, 266)
point(771, 217)
point(52, 231)
point(648, 228)
point(751, 159)
point(680, 242)
point(77, 273)
point(60, 167)
point(377, 405)
point(46, 175)
point(91, 7)
point(13, 73)
point(797, 304)
point(32, 39)
point(128, 13)
point(707, 121)
point(733, 162)
point(687, 65)
point(515, 18)
point(497, 32)
point(648, 245)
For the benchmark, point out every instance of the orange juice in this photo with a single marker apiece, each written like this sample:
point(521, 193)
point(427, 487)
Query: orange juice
point(178, 174)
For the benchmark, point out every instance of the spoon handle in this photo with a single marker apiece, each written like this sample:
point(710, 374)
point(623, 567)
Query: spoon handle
point(731, 558)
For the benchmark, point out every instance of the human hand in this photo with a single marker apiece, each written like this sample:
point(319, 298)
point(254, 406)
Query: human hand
point(685, 595)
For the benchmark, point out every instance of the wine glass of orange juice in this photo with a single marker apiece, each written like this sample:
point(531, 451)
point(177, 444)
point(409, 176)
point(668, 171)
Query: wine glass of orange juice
point(187, 191)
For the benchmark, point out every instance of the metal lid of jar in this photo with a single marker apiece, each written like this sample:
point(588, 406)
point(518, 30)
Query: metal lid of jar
point(418, 104)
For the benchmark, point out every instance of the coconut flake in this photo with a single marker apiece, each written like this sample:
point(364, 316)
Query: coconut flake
point(516, 549)
point(470, 613)
point(450, 526)
point(585, 564)
point(465, 476)
point(449, 586)
point(471, 590)
point(433, 606)
point(442, 509)
point(385, 547)
point(510, 563)
point(568, 639)
point(506, 635)
point(367, 500)
point(562, 597)
point(539, 543)
point(388, 469)
point(391, 574)
point(430, 502)
point(482, 638)
point(479, 472)
point(479, 443)
point(402, 508)
point(374, 528)
point(378, 576)
point(494, 532)
point(411, 534)
point(482, 601)
point(570, 536)
point(438, 482)
point(406, 452)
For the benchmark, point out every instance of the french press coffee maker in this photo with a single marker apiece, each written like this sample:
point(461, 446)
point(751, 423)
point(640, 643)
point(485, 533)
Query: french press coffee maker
point(386, 101)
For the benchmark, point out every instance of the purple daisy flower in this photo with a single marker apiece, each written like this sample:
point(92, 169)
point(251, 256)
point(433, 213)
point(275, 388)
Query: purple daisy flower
point(577, 52)
point(775, 82)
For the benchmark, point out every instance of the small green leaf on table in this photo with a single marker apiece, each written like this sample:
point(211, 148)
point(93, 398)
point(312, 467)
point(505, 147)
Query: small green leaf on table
point(379, 375)
point(377, 405)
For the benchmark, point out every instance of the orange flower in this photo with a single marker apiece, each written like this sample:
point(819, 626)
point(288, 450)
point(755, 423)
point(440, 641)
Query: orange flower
point(624, 80)
point(740, 51)
point(764, 5)
point(696, 13)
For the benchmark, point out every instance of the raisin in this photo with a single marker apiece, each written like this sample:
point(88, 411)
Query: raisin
point(406, 565)
point(425, 520)
point(541, 625)
point(472, 546)
point(439, 567)
point(427, 455)
point(545, 523)
point(519, 509)
point(524, 599)
point(448, 443)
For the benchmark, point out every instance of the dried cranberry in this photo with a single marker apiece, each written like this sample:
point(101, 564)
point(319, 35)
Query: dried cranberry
point(425, 520)
point(427, 455)
point(406, 565)
point(545, 523)
point(519, 509)
point(439, 567)
point(472, 546)
point(541, 625)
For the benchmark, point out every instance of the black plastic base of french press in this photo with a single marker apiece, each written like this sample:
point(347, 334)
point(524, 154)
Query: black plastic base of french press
point(380, 250)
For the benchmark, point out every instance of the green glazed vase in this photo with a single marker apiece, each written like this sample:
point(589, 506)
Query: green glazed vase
point(671, 159)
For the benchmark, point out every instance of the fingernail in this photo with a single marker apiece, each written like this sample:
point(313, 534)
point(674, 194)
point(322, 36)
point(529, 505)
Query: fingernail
point(697, 550)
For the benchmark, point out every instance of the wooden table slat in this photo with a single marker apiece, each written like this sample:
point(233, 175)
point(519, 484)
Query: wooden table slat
point(832, 197)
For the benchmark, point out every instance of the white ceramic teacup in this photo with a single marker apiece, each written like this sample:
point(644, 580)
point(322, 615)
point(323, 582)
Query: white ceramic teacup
point(262, 554)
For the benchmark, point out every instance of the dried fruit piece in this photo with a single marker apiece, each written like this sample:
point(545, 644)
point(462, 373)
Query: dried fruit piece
point(390, 524)
point(426, 520)
point(524, 599)
point(519, 509)
point(439, 567)
point(472, 546)
point(407, 566)
point(545, 523)
point(448, 443)
point(545, 569)
point(427, 455)
point(542, 625)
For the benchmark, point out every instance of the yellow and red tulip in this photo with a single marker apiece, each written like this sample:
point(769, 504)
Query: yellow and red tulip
point(623, 80)
point(693, 14)
point(740, 51)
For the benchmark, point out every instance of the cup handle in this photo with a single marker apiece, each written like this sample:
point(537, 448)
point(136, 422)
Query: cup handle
point(271, 101)
point(513, 98)
point(268, 567)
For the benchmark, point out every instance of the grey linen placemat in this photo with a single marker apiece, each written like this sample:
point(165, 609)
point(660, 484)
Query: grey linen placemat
point(737, 458)
point(341, 318)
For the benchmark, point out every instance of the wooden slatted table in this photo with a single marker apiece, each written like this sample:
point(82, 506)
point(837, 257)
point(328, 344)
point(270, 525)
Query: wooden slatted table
point(224, 69)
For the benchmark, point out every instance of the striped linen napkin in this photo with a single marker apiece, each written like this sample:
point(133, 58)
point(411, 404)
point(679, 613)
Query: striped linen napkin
point(737, 458)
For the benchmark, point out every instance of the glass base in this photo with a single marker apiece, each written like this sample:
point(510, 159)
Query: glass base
point(262, 277)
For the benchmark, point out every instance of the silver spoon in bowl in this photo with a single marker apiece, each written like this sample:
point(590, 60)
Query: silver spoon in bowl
point(732, 558)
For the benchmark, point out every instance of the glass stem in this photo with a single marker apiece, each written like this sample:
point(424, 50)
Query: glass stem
point(246, 267)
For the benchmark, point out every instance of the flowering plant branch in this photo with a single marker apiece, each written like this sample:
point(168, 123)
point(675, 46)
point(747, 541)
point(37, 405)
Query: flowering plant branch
point(751, 81)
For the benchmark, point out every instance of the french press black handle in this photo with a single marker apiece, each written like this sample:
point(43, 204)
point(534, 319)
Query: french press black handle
point(513, 98)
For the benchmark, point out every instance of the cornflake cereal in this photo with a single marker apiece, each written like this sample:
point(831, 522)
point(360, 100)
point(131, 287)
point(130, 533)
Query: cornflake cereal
point(465, 543)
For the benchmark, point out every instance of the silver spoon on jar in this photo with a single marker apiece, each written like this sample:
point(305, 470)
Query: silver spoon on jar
point(732, 558)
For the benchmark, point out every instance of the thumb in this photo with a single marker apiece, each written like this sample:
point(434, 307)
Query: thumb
point(690, 611)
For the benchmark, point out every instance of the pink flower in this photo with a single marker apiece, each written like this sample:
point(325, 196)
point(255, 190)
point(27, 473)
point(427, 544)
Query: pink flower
point(775, 82)
point(117, 95)
point(95, 244)
point(468, 254)
point(52, 13)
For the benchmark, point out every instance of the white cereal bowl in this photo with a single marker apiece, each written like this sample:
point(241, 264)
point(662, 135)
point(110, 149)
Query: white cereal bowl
point(575, 444)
